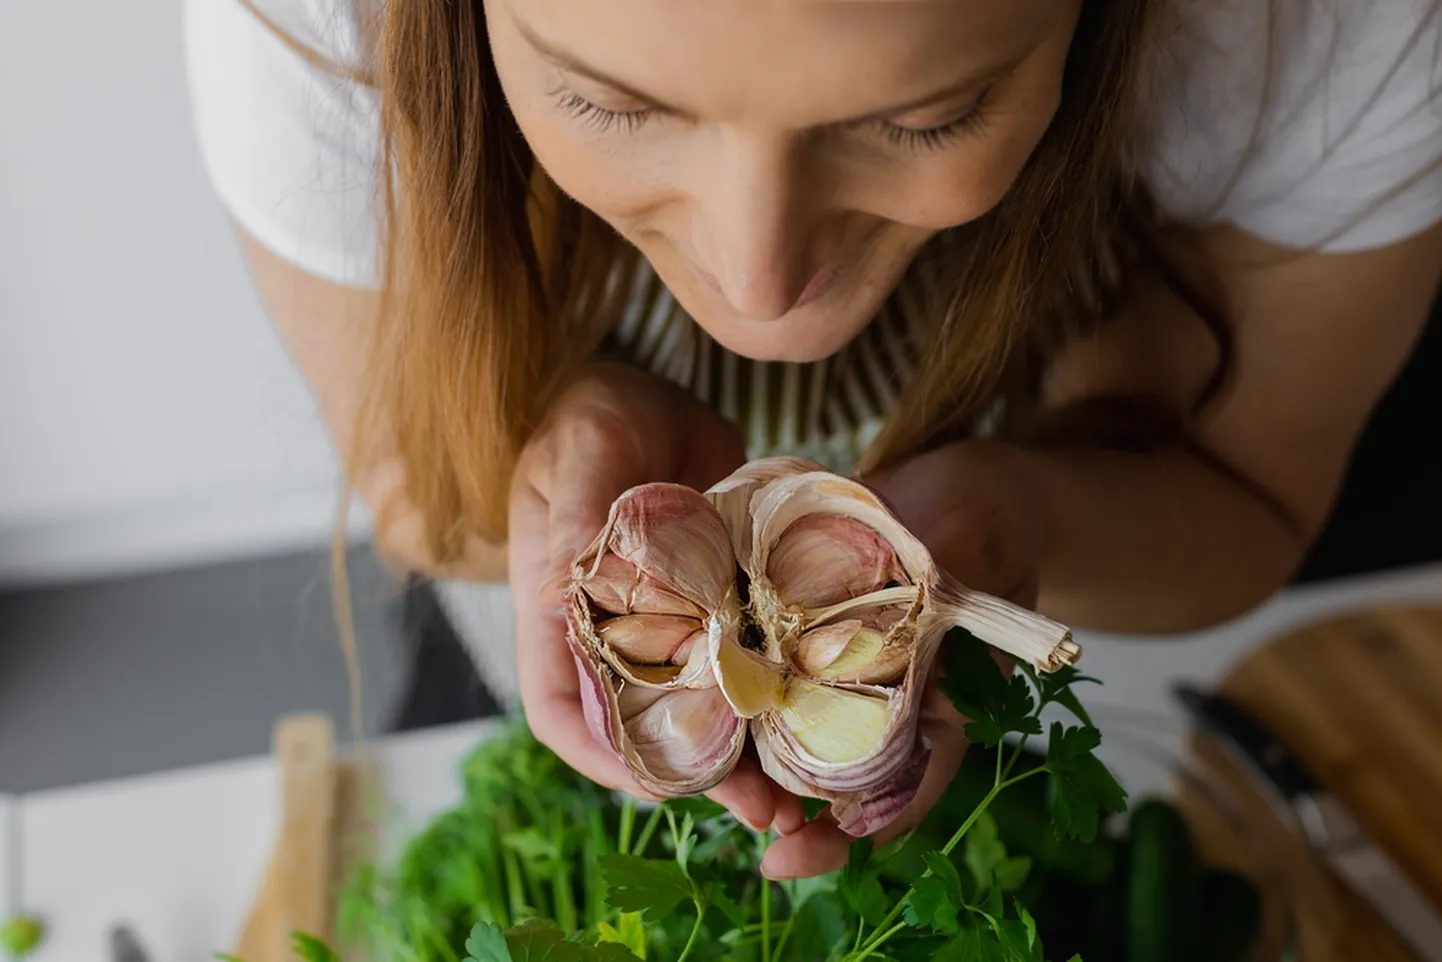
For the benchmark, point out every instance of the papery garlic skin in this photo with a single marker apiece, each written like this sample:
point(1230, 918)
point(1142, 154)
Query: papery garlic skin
point(664, 559)
point(825, 663)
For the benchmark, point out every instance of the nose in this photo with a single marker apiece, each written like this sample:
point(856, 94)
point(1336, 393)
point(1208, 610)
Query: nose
point(751, 227)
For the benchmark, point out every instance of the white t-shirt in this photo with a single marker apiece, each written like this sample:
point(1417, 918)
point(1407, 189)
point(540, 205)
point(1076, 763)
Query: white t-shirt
point(1291, 119)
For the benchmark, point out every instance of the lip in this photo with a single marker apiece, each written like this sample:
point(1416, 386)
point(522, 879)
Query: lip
point(821, 282)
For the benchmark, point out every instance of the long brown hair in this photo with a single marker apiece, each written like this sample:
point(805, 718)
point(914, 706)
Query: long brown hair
point(496, 287)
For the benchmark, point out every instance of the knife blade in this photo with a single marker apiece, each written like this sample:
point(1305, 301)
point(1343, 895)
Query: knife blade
point(1337, 838)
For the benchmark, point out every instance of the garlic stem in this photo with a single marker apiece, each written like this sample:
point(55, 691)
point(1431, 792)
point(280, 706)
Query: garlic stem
point(902, 594)
point(1019, 632)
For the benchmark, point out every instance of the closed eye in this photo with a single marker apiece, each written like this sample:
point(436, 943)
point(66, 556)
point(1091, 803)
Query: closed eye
point(941, 135)
point(602, 118)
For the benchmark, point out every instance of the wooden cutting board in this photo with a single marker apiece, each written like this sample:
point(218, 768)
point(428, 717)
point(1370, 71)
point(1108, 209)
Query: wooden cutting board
point(1359, 698)
point(323, 834)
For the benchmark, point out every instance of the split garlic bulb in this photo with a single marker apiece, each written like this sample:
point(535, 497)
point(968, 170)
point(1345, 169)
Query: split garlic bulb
point(788, 603)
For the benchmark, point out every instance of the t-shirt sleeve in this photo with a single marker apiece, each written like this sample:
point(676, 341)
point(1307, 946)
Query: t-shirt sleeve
point(287, 132)
point(1312, 125)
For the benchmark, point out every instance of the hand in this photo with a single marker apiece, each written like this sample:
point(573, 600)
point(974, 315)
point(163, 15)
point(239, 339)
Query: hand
point(967, 505)
point(615, 428)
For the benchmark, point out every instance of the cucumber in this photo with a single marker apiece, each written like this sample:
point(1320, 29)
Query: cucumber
point(1163, 899)
point(1232, 908)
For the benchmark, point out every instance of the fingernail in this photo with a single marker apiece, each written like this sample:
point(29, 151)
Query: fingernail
point(758, 829)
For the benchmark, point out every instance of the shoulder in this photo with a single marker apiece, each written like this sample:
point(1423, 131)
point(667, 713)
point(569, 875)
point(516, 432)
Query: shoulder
point(329, 29)
point(1310, 123)
point(288, 128)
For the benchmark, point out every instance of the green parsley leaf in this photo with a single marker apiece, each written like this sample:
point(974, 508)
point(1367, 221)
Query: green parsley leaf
point(1056, 687)
point(627, 931)
point(997, 705)
point(1081, 786)
point(936, 901)
point(653, 886)
point(987, 858)
point(487, 943)
point(1012, 873)
point(976, 943)
point(860, 888)
point(539, 940)
point(311, 949)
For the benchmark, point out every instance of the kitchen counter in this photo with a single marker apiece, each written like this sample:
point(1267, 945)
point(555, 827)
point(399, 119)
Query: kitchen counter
point(179, 856)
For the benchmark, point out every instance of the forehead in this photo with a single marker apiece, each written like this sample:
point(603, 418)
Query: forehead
point(723, 57)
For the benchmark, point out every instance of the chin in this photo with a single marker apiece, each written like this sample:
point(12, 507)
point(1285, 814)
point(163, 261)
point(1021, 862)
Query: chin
point(805, 335)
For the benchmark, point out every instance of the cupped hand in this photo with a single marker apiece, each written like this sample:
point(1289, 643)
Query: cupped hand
point(613, 429)
point(965, 504)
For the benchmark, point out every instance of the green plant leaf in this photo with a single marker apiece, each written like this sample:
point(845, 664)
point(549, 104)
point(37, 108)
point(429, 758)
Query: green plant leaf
point(995, 704)
point(539, 940)
point(1081, 786)
point(859, 886)
point(936, 900)
point(628, 931)
point(311, 949)
point(984, 851)
point(976, 943)
point(487, 943)
point(653, 886)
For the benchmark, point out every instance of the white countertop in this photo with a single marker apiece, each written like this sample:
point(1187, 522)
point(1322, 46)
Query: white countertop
point(180, 855)
point(9, 867)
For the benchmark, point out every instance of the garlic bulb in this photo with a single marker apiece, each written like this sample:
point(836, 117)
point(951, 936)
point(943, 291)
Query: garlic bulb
point(786, 602)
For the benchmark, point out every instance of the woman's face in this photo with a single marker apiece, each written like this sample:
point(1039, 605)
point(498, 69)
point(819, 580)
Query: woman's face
point(780, 162)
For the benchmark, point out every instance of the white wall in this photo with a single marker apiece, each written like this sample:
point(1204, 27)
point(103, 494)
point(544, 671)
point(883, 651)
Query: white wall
point(148, 415)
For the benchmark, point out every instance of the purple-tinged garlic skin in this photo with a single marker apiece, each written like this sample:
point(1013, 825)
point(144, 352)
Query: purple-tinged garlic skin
point(825, 665)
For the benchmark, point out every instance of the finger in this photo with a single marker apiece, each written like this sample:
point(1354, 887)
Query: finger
point(815, 849)
point(746, 792)
point(790, 815)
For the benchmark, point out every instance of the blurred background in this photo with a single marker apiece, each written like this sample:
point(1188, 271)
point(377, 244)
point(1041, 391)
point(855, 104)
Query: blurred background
point(166, 489)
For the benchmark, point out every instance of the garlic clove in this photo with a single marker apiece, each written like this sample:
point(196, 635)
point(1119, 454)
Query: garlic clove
point(851, 652)
point(824, 559)
point(818, 648)
point(750, 683)
point(618, 587)
point(685, 741)
point(732, 495)
point(649, 639)
point(677, 544)
point(833, 725)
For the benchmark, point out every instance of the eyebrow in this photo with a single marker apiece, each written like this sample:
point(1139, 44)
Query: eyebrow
point(569, 62)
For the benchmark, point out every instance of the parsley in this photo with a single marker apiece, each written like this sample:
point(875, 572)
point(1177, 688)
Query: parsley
point(995, 704)
point(539, 865)
point(1081, 785)
point(636, 884)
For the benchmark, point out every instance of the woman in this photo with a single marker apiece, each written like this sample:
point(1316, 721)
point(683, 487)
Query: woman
point(1098, 294)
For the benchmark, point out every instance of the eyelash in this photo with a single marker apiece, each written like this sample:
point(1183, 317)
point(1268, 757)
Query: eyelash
point(933, 138)
point(599, 118)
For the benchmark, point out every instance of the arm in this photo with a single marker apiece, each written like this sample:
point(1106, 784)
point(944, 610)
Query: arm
point(1180, 538)
point(327, 329)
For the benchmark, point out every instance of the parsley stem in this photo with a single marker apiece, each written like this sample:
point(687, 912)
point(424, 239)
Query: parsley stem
point(880, 937)
point(695, 931)
point(648, 830)
point(1011, 762)
point(628, 824)
point(763, 840)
